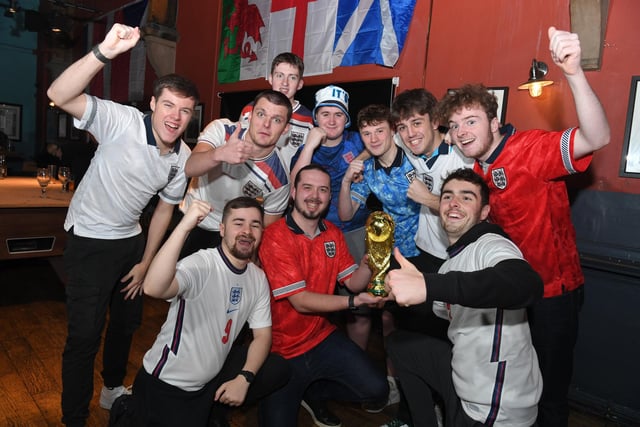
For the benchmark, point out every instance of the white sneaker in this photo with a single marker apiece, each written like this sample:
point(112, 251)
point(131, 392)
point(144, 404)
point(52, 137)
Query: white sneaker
point(439, 418)
point(109, 395)
point(394, 392)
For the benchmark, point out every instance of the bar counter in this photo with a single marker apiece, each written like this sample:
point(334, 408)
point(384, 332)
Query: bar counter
point(31, 226)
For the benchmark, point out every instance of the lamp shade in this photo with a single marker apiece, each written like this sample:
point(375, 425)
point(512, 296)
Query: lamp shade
point(536, 79)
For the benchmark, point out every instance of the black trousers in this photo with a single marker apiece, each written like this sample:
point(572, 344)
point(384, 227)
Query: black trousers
point(95, 268)
point(554, 331)
point(156, 403)
point(423, 364)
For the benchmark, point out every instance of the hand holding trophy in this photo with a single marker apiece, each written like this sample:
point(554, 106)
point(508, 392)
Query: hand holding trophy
point(379, 241)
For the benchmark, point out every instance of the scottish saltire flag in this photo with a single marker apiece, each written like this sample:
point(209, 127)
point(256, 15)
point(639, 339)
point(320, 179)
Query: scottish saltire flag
point(325, 33)
point(371, 31)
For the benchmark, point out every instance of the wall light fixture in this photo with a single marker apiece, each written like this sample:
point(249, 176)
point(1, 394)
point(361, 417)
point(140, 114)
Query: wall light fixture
point(536, 79)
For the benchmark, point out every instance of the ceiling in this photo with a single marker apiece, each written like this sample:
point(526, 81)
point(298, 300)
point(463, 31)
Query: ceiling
point(84, 10)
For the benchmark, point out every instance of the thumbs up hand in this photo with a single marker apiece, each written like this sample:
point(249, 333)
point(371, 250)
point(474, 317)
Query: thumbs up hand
point(407, 283)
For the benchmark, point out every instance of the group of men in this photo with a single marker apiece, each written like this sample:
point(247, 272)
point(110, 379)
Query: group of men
point(275, 191)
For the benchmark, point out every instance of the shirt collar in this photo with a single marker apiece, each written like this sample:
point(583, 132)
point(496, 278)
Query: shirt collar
point(506, 131)
point(397, 161)
point(295, 228)
point(442, 149)
point(228, 263)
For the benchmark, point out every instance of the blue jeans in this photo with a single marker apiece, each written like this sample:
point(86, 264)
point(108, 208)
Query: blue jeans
point(336, 369)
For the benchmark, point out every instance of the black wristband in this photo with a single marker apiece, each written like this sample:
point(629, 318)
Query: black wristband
point(99, 55)
point(352, 305)
point(248, 375)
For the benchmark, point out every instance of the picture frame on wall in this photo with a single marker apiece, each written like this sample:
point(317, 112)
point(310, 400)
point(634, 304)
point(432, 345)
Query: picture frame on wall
point(62, 125)
point(630, 162)
point(195, 125)
point(502, 94)
point(11, 120)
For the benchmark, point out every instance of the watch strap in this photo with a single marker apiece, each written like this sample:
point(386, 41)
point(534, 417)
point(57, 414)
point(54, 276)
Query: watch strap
point(248, 375)
point(99, 55)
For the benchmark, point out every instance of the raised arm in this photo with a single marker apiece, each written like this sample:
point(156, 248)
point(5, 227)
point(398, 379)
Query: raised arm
point(160, 281)
point(509, 284)
point(347, 207)
point(67, 90)
point(594, 132)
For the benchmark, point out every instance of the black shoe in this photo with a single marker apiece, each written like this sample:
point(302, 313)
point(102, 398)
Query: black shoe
point(321, 415)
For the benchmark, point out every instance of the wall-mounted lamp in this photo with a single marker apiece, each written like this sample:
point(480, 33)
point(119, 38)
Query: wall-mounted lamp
point(536, 79)
point(12, 9)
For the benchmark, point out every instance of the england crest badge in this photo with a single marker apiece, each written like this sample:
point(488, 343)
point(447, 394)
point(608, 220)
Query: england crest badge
point(330, 249)
point(499, 178)
point(235, 295)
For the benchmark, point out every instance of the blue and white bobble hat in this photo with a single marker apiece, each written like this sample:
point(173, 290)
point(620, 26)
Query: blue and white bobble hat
point(332, 96)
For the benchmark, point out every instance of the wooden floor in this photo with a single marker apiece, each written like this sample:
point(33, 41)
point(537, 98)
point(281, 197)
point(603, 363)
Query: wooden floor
point(31, 341)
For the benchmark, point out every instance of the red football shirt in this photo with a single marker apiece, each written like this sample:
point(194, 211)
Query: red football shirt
point(532, 205)
point(295, 262)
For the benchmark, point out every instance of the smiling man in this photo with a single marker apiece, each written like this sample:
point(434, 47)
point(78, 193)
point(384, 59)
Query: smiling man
point(106, 258)
point(304, 256)
point(489, 372)
point(525, 171)
point(212, 294)
point(231, 160)
point(387, 174)
point(416, 125)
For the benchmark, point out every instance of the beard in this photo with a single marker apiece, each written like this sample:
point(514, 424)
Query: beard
point(299, 207)
point(240, 252)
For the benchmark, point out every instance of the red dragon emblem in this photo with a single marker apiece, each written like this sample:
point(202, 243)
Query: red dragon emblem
point(244, 23)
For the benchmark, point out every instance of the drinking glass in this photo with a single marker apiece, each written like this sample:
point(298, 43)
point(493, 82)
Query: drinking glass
point(64, 174)
point(44, 177)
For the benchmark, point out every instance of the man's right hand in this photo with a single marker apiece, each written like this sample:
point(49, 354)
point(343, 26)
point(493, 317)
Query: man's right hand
point(197, 211)
point(235, 150)
point(315, 138)
point(354, 172)
point(406, 283)
point(120, 38)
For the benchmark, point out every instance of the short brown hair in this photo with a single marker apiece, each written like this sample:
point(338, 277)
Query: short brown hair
point(241, 203)
point(288, 58)
point(374, 114)
point(178, 84)
point(277, 98)
point(413, 101)
point(469, 175)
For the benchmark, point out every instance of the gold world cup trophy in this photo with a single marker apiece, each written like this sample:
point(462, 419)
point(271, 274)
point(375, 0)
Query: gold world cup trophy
point(379, 240)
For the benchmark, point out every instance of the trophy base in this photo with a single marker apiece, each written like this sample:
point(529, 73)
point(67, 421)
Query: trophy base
point(377, 289)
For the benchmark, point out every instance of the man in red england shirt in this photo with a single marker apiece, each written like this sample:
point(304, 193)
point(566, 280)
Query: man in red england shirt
point(303, 257)
point(530, 203)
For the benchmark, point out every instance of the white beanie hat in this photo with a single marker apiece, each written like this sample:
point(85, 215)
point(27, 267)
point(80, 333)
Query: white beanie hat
point(332, 96)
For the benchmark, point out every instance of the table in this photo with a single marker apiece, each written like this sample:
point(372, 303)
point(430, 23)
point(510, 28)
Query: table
point(31, 226)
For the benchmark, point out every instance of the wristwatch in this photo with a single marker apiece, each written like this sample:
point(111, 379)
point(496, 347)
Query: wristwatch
point(248, 375)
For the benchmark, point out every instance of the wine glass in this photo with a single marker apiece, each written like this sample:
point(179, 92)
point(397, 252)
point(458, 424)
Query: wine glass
point(64, 174)
point(43, 179)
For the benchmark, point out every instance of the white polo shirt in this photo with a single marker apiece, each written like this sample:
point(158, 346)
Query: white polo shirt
point(126, 171)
